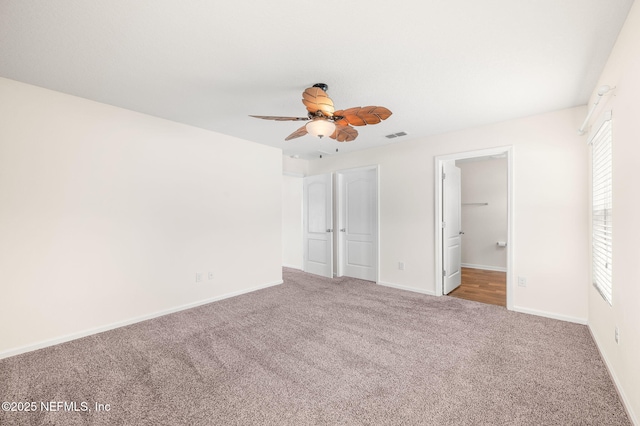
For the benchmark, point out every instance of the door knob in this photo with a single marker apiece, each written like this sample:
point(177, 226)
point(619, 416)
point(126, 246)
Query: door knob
point(343, 230)
point(329, 230)
point(461, 232)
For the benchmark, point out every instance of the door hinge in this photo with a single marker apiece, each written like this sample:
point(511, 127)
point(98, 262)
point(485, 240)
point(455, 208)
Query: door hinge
point(444, 273)
point(443, 224)
point(444, 175)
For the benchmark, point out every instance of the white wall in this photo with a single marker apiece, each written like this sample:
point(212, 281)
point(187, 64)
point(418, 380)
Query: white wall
point(550, 216)
point(623, 72)
point(292, 250)
point(295, 166)
point(294, 170)
point(484, 181)
point(106, 215)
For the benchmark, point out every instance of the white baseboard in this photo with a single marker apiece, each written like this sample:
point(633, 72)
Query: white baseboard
point(402, 287)
point(485, 267)
point(551, 315)
point(625, 400)
point(91, 331)
point(298, 267)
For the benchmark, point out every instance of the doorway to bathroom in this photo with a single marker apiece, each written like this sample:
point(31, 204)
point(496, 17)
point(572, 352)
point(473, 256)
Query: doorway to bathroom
point(473, 199)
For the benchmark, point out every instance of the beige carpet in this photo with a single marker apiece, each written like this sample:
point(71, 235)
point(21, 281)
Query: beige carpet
point(315, 351)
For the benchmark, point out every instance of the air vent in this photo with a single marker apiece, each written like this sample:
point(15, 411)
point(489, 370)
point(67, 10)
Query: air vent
point(396, 135)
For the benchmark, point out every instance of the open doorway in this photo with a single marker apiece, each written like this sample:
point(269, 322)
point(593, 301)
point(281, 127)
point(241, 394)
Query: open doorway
point(473, 225)
point(483, 217)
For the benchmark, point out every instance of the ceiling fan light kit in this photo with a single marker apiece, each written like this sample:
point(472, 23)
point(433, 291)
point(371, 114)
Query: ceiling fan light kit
point(320, 127)
point(326, 121)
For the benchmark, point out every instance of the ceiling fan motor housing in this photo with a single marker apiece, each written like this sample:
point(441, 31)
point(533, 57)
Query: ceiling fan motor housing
point(321, 86)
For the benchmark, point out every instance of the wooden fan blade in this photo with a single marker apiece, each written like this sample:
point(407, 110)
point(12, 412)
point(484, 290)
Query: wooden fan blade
point(300, 132)
point(341, 122)
point(316, 99)
point(344, 133)
point(361, 116)
point(277, 118)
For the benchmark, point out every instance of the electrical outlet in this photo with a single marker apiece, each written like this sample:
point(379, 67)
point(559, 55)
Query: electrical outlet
point(522, 281)
point(401, 266)
point(617, 335)
point(210, 276)
point(198, 277)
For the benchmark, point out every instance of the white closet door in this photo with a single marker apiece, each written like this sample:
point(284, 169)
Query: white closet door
point(318, 225)
point(358, 224)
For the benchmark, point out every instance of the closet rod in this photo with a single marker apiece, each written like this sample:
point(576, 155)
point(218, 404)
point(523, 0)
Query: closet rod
point(475, 204)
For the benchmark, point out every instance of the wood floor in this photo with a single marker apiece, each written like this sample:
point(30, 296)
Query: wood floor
point(483, 286)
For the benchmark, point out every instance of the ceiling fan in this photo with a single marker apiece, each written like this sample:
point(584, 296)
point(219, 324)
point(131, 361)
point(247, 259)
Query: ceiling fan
point(324, 120)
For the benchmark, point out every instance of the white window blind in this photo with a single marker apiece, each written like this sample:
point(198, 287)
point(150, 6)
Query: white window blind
point(601, 193)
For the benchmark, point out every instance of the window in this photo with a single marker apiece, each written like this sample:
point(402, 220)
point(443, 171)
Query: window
point(601, 205)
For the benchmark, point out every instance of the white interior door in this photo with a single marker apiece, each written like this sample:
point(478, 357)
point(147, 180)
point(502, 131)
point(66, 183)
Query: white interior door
point(451, 241)
point(358, 224)
point(318, 225)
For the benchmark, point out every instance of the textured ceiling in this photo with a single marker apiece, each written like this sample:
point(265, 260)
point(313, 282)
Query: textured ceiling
point(438, 65)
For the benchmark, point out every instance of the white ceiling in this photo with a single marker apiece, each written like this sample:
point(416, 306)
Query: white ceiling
point(438, 65)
